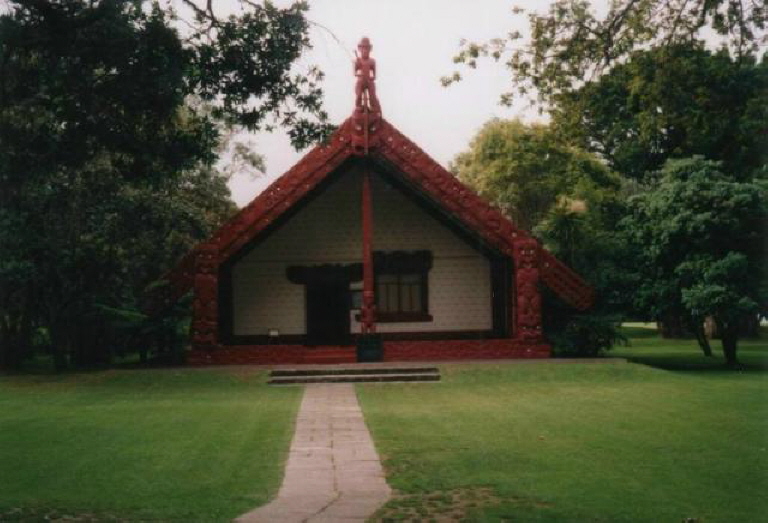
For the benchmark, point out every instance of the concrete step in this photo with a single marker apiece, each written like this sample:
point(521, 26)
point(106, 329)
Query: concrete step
point(354, 371)
point(355, 378)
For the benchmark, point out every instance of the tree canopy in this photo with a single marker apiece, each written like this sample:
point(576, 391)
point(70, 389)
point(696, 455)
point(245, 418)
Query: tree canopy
point(109, 127)
point(526, 170)
point(638, 85)
point(672, 102)
point(698, 244)
point(571, 43)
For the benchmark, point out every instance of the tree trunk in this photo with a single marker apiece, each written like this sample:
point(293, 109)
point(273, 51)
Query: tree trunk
point(671, 325)
point(701, 337)
point(710, 328)
point(729, 340)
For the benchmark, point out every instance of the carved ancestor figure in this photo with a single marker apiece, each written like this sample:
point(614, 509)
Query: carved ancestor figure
point(365, 71)
point(528, 311)
point(528, 298)
point(205, 302)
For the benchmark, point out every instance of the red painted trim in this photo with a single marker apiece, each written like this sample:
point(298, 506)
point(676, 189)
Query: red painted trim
point(205, 305)
point(416, 165)
point(475, 213)
point(368, 309)
point(445, 350)
point(464, 350)
point(271, 355)
point(384, 144)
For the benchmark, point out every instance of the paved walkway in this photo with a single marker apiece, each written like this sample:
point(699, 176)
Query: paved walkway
point(333, 471)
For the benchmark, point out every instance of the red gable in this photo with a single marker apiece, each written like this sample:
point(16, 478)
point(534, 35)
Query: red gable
point(424, 173)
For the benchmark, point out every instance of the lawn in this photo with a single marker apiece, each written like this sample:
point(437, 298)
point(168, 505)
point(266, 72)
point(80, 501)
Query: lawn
point(580, 442)
point(184, 445)
point(668, 436)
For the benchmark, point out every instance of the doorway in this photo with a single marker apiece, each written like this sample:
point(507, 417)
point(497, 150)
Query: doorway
point(328, 310)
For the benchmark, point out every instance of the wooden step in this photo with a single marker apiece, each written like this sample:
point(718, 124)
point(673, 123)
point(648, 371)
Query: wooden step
point(355, 378)
point(353, 371)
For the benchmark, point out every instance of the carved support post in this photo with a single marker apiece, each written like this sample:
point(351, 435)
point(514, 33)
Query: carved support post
point(205, 305)
point(368, 311)
point(527, 306)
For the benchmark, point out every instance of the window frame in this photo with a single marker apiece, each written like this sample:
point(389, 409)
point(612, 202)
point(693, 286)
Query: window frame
point(401, 264)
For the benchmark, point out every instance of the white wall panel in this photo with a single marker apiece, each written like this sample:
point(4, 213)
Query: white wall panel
point(328, 230)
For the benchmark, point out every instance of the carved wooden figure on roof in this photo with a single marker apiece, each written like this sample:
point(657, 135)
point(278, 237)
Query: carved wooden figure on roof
point(365, 71)
point(485, 303)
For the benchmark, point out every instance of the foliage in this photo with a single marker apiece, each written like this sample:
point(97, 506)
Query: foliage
point(587, 335)
point(568, 198)
point(242, 65)
point(636, 86)
point(571, 43)
point(526, 170)
point(698, 240)
point(672, 102)
point(109, 123)
point(585, 241)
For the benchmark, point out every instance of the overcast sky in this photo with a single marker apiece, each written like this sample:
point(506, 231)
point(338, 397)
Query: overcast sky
point(414, 42)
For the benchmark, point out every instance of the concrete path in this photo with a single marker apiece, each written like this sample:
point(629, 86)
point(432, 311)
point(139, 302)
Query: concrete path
point(333, 471)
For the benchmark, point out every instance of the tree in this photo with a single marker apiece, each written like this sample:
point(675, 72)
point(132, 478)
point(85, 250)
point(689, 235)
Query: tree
point(581, 232)
point(698, 237)
point(566, 197)
point(570, 44)
point(526, 170)
point(105, 164)
point(672, 102)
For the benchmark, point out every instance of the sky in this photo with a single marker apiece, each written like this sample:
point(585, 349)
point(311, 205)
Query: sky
point(414, 42)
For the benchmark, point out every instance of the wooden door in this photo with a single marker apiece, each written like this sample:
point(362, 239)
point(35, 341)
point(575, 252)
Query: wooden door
point(328, 313)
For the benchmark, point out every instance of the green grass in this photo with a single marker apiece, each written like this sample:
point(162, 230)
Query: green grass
point(672, 436)
point(185, 445)
point(674, 354)
point(581, 442)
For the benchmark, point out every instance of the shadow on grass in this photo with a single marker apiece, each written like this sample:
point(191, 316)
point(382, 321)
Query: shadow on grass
point(647, 347)
point(716, 365)
point(42, 365)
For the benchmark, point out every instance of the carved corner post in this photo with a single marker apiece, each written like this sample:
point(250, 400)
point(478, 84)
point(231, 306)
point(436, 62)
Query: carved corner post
point(205, 305)
point(368, 310)
point(527, 306)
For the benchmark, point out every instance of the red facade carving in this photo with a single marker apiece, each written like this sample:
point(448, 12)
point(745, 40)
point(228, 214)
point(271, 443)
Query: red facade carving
point(205, 309)
point(526, 257)
point(367, 133)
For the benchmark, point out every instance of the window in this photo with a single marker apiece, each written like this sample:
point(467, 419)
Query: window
point(402, 286)
point(400, 293)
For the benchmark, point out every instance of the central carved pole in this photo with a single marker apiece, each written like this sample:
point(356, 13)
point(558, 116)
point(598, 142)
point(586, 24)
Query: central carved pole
point(368, 311)
point(366, 122)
